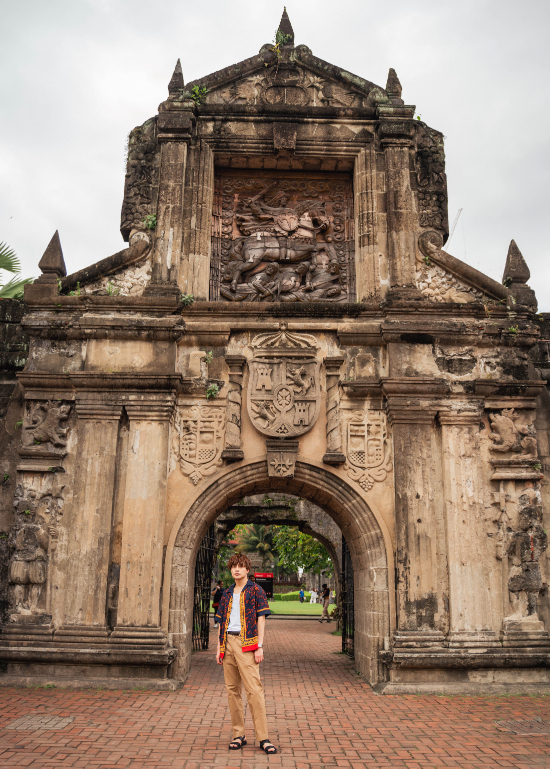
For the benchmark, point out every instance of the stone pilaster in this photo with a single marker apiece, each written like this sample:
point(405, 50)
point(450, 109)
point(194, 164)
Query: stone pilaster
point(144, 516)
point(370, 274)
point(466, 537)
point(420, 569)
point(233, 451)
point(334, 455)
point(396, 140)
point(195, 271)
point(89, 519)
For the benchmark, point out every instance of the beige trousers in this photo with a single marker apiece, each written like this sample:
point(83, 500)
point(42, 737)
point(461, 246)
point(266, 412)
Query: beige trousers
point(240, 668)
point(325, 614)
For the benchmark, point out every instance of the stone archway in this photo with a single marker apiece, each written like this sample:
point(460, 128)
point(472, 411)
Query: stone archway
point(367, 539)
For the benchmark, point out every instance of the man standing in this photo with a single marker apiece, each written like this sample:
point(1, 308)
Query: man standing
point(241, 615)
point(326, 600)
point(302, 595)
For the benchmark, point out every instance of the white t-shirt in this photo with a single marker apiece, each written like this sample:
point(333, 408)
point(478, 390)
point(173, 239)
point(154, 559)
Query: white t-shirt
point(235, 617)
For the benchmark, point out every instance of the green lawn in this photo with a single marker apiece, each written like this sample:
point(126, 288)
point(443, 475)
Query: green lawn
point(295, 607)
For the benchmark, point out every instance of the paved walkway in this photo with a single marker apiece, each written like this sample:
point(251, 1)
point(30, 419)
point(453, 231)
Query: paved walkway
point(323, 715)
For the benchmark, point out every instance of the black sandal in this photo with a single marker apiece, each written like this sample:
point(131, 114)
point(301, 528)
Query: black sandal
point(265, 745)
point(237, 743)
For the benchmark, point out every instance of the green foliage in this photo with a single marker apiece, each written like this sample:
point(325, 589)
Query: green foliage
point(513, 329)
point(537, 466)
point(301, 551)
point(212, 391)
point(19, 424)
point(27, 512)
point(208, 357)
point(3, 535)
point(111, 290)
point(279, 40)
point(6, 478)
point(198, 94)
point(76, 292)
point(187, 299)
point(257, 539)
point(426, 260)
point(13, 289)
point(294, 596)
point(150, 221)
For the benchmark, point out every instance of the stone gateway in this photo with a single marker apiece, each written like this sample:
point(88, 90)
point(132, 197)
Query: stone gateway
point(283, 319)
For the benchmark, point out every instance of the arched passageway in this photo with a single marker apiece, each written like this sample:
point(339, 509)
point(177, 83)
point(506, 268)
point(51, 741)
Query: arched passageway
point(361, 526)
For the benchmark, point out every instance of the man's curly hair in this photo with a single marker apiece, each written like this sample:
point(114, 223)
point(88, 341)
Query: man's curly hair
point(239, 559)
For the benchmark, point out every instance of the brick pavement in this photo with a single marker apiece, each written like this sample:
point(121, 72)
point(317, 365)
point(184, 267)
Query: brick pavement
point(323, 715)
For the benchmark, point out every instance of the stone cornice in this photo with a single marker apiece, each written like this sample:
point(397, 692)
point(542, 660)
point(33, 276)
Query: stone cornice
point(72, 382)
point(113, 325)
point(414, 387)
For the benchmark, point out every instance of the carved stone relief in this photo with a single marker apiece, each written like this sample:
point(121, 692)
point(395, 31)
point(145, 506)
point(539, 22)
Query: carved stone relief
point(438, 285)
point(32, 541)
point(508, 435)
point(140, 171)
point(282, 238)
point(431, 181)
point(284, 384)
point(289, 84)
point(198, 436)
point(43, 425)
point(128, 282)
point(367, 446)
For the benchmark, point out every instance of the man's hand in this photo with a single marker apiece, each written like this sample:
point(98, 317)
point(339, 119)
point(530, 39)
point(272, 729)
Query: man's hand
point(258, 656)
point(218, 660)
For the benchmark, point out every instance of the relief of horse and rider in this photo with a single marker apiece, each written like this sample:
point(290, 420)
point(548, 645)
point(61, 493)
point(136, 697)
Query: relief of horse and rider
point(282, 250)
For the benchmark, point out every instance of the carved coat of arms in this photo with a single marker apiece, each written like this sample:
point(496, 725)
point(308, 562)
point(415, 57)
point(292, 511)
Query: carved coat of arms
point(201, 430)
point(367, 450)
point(283, 387)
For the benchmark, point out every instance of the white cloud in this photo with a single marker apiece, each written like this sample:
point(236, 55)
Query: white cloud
point(78, 76)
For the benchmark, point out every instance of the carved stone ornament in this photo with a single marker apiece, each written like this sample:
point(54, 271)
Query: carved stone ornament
point(368, 449)
point(281, 458)
point(33, 539)
point(199, 436)
point(517, 440)
point(141, 168)
point(43, 425)
point(438, 285)
point(284, 384)
point(282, 238)
point(431, 180)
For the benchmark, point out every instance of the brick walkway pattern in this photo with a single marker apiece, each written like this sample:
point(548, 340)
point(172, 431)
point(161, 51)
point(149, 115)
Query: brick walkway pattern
point(321, 712)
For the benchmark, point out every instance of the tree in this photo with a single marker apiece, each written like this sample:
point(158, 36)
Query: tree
point(13, 289)
point(297, 550)
point(257, 539)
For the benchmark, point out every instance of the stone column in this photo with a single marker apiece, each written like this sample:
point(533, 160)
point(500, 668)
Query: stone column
point(233, 451)
point(89, 520)
point(195, 272)
point(420, 544)
point(466, 535)
point(367, 248)
point(334, 454)
point(399, 202)
point(144, 517)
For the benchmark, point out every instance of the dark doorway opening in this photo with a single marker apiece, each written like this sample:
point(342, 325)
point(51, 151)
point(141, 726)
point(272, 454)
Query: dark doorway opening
point(346, 601)
point(203, 586)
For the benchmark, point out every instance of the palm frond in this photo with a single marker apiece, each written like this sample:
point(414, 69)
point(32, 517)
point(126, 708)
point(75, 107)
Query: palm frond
point(14, 289)
point(8, 259)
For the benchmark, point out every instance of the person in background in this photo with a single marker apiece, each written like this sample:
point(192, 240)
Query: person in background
point(302, 595)
point(326, 599)
point(313, 596)
point(216, 593)
point(332, 596)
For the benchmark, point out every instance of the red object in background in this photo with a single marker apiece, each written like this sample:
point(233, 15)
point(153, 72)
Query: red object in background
point(266, 582)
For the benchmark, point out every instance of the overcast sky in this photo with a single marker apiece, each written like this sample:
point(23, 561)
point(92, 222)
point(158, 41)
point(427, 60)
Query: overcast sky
point(78, 75)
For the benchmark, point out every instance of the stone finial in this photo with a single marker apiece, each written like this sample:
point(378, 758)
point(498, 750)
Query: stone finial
point(516, 267)
point(52, 262)
point(393, 86)
point(285, 27)
point(516, 275)
point(176, 83)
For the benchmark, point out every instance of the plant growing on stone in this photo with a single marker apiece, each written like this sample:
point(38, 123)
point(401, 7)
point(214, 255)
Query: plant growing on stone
point(111, 290)
point(187, 299)
point(198, 94)
point(76, 292)
point(212, 391)
point(208, 357)
point(513, 329)
point(14, 288)
point(150, 221)
point(426, 260)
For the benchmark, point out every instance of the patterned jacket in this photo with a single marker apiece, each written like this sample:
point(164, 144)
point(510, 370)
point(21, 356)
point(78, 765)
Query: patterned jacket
point(253, 604)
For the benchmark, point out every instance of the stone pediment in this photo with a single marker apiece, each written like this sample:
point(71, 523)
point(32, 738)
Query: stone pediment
point(292, 77)
point(444, 278)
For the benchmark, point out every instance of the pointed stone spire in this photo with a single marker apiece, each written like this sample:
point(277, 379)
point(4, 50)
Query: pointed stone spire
point(393, 86)
point(516, 275)
point(516, 266)
point(176, 83)
point(52, 262)
point(285, 27)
